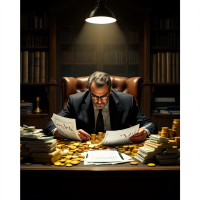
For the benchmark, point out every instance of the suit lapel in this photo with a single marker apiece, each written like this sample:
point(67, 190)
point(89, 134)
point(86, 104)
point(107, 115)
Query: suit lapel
point(115, 112)
point(88, 114)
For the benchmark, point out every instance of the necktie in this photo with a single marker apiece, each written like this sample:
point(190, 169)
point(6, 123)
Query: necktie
point(100, 124)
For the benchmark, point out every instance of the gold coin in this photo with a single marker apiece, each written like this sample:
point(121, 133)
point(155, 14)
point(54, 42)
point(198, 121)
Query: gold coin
point(28, 163)
point(135, 150)
point(74, 162)
point(57, 163)
point(78, 159)
point(69, 153)
point(81, 156)
point(127, 152)
point(134, 154)
point(62, 164)
point(86, 150)
point(90, 149)
point(151, 164)
point(125, 147)
point(62, 160)
point(76, 144)
point(134, 163)
point(73, 150)
point(68, 165)
point(88, 142)
point(91, 146)
point(74, 156)
point(73, 147)
point(68, 162)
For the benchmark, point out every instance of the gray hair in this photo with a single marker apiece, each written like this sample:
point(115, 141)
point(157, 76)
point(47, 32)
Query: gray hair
point(100, 79)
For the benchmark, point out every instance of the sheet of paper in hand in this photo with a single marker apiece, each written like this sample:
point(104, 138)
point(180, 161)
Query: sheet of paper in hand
point(120, 137)
point(66, 127)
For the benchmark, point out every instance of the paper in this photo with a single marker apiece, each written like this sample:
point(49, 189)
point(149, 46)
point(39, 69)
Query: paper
point(105, 157)
point(120, 137)
point(66, 127)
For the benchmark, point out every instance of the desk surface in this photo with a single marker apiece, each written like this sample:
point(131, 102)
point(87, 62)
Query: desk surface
point(117, 167)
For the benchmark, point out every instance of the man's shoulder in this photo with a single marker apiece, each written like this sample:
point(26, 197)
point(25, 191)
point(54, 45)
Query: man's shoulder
point(121, 94)
point(79, 96)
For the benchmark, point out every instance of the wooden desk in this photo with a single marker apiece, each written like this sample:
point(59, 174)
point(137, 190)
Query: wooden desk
point(121, 181)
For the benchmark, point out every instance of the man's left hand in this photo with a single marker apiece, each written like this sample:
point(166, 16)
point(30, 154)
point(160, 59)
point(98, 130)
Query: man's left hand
point(140, 136)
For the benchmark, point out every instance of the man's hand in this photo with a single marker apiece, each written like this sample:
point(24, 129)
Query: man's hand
point(140, 136)
point(83, 135)
point(58, 135)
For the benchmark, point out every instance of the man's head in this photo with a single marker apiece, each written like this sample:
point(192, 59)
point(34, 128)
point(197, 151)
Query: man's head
point(99, 86)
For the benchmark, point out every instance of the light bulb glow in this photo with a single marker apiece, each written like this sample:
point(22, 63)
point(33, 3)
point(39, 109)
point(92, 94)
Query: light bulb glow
point(101, 20)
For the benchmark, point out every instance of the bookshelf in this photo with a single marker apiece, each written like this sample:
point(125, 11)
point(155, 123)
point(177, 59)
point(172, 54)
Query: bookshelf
point(164, 58)
point(35, 67)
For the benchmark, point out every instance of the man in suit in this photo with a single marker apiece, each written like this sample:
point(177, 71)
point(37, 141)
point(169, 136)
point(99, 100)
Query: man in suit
point(101, 108)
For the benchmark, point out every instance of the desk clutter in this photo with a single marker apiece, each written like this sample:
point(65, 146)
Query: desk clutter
point(35, 147)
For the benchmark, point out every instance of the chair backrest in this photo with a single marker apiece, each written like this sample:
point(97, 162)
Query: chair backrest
point(71, 85)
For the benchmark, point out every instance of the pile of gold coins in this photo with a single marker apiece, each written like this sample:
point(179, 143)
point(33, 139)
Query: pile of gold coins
point(74, 149)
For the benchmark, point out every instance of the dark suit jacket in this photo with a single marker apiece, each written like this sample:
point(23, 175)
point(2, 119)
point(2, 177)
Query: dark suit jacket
point(123, 112)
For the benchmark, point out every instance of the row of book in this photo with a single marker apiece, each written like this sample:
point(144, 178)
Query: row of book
point(84, 56)
point(114, 56)
point(30, 40)
point(133, 56)
point(133, 36)
point(166, 67)
point(165, 105)
point(34, 20)
point(158, 150)
point(66, 57)
point(166, 40)
point(34, 67)
point(172, 22)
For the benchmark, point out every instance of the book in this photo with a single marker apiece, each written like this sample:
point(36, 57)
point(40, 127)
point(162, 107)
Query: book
point(48, 160)
point(43, 145)
point(20, 67)
point(163, 65)
point(169, 67)
point(41, 150)
point(159, 67)
point(46, 66)
point(46, 155)
point(31, 67)
point(154, 68)
point(37, 66)
point(164, 99)
point(42, 67)
point(177, 67)
point(25, 66)
point(167, 161)
point(169, 156)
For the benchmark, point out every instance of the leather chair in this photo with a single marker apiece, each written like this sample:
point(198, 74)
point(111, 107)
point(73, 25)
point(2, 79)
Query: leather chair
point(131, 86)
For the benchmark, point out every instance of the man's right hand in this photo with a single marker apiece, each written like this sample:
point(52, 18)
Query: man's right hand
point(58, 135)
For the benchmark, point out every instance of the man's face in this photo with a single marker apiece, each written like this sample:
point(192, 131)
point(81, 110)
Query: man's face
point(102, 92)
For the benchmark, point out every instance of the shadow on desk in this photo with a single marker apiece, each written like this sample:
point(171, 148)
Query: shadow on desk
point(122, 181)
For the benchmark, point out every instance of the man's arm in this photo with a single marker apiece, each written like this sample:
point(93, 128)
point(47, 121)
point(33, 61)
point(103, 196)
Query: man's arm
point(147, 126)
point(68, 112)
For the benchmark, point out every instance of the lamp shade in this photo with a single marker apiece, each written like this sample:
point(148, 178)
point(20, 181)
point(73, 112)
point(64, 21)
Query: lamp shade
point(100, 14)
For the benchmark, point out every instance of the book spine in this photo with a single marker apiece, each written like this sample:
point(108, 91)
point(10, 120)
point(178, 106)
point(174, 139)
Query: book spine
point(163, 79)
point(169, 67)
point(20, 67)
point(42, 67)
point(25, 66)
point(37, 66)
point(29, 67)
point(47, 66)
point(154, 68)
point(173, 67)
point(177, 67)
point(159, 66)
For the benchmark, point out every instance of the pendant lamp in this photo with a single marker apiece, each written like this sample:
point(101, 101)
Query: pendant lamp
point(100, 14)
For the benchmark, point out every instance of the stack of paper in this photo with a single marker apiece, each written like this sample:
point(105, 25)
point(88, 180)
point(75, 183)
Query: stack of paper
point(106, 156)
